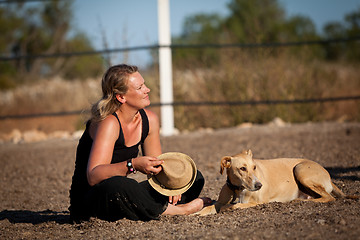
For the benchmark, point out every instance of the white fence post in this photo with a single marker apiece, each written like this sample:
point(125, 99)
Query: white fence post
point(165, 69)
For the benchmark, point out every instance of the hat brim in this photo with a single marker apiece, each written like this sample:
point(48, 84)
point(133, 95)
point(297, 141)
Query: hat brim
point(173, 192)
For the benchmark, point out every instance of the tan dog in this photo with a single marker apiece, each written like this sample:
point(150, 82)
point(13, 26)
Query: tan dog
point(253, 182)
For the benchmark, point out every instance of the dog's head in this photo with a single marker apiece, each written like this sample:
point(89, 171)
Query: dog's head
point(241, 170)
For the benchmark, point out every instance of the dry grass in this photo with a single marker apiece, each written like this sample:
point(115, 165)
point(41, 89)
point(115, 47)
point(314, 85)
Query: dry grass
point(240, 76)
point(244, 76)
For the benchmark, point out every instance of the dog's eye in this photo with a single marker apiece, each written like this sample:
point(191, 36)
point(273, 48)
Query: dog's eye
point(243, 169)
point(254, 167)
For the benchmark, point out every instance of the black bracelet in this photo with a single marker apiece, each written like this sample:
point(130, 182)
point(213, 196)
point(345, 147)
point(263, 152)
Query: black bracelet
point(130, 166)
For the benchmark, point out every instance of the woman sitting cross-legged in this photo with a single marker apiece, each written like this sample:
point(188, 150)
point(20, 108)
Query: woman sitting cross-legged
point(108, 151)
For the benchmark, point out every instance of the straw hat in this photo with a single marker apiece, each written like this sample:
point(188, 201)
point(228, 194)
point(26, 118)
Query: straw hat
point(177, 175)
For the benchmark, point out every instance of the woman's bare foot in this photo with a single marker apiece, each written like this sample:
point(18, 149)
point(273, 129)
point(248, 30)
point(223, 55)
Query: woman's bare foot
point(188, 208)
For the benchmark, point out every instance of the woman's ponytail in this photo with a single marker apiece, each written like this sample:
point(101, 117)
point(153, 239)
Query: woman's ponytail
point(113, 82)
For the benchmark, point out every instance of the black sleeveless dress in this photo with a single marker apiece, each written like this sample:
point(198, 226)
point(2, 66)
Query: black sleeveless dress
point(118, 197)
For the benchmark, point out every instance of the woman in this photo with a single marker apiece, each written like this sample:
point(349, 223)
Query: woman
point(108, 151)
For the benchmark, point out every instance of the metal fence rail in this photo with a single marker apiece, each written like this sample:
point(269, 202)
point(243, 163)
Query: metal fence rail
point(3, 56)
point(205, 103)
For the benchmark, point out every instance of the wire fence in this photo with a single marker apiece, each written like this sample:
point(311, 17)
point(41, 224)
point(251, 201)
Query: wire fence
point(179, 46)
point(227, 103)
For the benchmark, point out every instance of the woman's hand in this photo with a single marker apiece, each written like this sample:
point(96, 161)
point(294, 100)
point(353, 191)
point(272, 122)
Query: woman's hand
point(147, 165)
point(174, 199)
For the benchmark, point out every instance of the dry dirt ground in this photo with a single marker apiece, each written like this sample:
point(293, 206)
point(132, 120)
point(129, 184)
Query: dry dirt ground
point(35, 180)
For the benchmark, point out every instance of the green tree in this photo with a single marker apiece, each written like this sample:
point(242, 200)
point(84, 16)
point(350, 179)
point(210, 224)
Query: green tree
point(349, 28)
point(298, 28)
point(9, 21)
point(334, 30)
point(353, 30)
point(42, 30)
point(81, 67)
point(198, 29)
point(201, 28)
point(256, 21)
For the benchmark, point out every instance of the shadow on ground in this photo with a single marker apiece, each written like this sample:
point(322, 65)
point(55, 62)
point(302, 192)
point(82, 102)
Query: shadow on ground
point(35, 217)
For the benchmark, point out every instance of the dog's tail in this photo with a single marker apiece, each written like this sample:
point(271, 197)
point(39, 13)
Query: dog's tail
point(338, 193)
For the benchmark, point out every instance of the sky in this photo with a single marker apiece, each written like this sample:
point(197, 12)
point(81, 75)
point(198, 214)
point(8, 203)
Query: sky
point(131, 23)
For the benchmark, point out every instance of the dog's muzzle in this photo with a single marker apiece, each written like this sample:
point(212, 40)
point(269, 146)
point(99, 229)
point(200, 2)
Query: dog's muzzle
point(258, 185)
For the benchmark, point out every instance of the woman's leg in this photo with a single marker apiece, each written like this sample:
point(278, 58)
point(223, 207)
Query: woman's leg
point(188, 208)
point(190, 201)
point(195, 190)
point(121, 197)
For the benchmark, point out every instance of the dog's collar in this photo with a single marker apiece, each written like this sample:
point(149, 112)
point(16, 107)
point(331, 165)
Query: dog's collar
point(232, 186)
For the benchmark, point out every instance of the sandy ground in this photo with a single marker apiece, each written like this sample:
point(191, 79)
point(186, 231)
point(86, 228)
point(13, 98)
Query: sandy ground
point(35, 180)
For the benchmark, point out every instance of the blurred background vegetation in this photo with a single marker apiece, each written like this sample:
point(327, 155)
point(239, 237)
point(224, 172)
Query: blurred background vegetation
point(200, 74)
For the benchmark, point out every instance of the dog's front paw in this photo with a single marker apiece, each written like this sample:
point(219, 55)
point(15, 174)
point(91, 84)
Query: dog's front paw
point(228, 207)
point(206, 211)
point(231, 207)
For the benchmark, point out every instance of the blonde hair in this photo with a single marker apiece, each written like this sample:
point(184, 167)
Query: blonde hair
point(114, 82)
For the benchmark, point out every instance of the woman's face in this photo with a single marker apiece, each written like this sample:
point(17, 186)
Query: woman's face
point(137, 94)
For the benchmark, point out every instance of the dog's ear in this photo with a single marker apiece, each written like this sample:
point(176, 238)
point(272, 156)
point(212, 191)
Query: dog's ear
point(225, 163)
point(249, 153)
point(243, 152)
